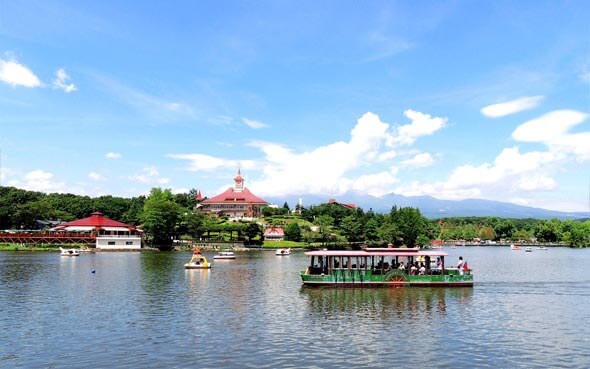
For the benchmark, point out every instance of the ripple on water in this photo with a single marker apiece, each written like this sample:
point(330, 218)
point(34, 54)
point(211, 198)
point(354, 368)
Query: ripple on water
point(145, 310)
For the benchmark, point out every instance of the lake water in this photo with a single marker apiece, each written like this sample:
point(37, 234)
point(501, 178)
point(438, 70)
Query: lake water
point(143, 310)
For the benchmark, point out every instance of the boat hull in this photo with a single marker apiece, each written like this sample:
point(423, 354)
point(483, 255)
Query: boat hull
point(224, 257)
point(387, 281)
point(188, 266)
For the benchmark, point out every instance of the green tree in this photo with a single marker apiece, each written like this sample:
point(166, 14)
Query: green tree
point(352, 228)
point(253, 230)
point(371, 230)
point(504, 229)
point(160, 216)
point(411, 224)
point(576, 234)
point(548, 230)
point(293, 232)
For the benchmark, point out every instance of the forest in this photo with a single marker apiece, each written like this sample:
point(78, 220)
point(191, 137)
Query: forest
point(165, 217)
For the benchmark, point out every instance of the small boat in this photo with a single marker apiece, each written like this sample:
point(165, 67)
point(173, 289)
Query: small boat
point(225, 254)
point(69, 252)
point(283, 252)
point(514, 247)
point(528, 249)
point(542, 248)
point(197, 261)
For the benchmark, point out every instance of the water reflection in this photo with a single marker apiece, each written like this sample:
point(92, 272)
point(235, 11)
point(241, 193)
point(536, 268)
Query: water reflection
point(413, 303)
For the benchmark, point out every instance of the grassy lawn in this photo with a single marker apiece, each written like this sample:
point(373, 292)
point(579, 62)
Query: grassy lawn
point(284, 244)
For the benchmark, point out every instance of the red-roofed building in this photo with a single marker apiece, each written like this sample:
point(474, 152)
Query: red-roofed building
point(274, 234)
point(236, 202)
point(110, 234)
point(350, 206)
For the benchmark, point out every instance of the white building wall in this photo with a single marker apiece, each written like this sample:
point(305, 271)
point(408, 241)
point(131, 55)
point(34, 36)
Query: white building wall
point(118, 242)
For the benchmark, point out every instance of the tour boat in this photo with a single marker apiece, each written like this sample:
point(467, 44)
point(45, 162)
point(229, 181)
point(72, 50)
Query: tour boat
point(514, 247)
point(383, 267)
point(225, 254)
point(69, 252)
point(283, 252)
point(197, 261)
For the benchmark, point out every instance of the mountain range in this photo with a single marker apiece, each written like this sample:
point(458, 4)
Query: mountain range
point(431, 207)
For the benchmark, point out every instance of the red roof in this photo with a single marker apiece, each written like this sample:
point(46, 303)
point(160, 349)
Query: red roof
point(274, 231)
point(230, 195)
point(96, 219)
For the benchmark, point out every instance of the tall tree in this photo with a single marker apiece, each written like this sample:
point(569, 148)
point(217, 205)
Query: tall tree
point(293, 232)
point(160, 216)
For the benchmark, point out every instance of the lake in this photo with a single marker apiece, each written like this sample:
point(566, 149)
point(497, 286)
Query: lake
point(143, 310)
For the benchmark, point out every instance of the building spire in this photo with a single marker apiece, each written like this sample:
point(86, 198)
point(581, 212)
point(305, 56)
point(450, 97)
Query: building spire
point(239, 186)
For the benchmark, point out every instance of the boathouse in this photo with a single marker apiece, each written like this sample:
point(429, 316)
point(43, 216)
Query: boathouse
point(108, 233)
point(236, 202)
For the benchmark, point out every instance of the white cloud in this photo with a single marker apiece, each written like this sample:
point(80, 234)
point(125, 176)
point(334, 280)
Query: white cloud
point(61, 81)
point(377, 184)
point(423, 159)
point(331, 169)
point(15, 74)
point(548, 127)
point(154, 106)
point(112, 155)
point(324, 170)
point(536, 182)
point(203, 162)
point(388, 155)
point(511, 171)
point(422, 125)
point(40, 180)
point(254, 123)
point(149, 175)
point(511, 107)
point(553, 128)
point(95, 176)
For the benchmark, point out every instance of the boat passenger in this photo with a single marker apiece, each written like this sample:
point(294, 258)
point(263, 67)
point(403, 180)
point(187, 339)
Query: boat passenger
point(460, 264)
point(422, 270)
point(413, 269)
point(439, 265)
point(401, 266)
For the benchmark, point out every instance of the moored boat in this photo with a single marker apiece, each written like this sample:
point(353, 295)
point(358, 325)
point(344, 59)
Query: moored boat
point(528, 249)
point(197, 261)
point(225, 254)
point(283, 252)
point(69, 252)
point(542, 248)
point(514, 247)
point(383, 267)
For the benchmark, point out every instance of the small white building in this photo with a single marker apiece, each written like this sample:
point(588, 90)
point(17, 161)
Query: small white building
point(109, 234)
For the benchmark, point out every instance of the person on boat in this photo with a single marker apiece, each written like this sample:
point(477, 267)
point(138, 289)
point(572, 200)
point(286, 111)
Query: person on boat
point(422, 270)
point(439, 265)
point(460, 264)
point(401, 266)
point(413, 269)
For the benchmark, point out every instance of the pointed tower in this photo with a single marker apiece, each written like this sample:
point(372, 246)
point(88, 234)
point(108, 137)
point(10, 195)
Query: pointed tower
point(239, 186)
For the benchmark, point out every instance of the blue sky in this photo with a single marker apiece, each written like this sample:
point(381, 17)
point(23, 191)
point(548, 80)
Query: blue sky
point(456, 99)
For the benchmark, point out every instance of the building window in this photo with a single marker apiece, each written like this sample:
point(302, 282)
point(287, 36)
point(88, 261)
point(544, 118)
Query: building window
point(111, 243)
point(129, 243)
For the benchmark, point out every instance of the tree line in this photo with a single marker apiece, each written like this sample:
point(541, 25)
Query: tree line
point(165, 217)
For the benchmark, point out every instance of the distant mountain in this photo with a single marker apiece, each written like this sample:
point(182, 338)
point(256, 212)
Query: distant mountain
point(432, 207)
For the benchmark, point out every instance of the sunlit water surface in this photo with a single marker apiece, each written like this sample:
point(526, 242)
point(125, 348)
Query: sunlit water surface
point(143, 310)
